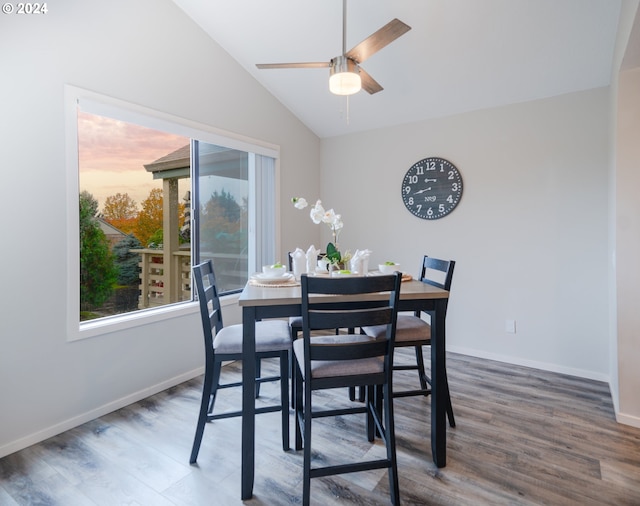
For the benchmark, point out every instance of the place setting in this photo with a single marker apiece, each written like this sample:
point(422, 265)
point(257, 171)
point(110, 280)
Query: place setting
point(274, 276)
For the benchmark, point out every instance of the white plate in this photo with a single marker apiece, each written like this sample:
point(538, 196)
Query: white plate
point(338, 274)
point(263, 278)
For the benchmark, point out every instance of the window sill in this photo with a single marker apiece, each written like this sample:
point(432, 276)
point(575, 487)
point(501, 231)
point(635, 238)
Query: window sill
point(140, 318)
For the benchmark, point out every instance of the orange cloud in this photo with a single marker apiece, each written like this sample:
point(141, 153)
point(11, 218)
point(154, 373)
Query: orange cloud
point(112, 155)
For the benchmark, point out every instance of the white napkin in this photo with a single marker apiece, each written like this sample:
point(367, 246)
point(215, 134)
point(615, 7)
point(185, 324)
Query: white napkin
point(312, 258)
point(360, 261)
point(298, 262)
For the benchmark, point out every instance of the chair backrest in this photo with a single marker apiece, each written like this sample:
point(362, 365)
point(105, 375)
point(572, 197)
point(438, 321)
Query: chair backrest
point(207, 292)
point(437, 272)
point(357, 307)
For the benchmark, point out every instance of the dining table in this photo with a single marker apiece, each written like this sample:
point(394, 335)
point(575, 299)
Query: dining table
point(259, 302)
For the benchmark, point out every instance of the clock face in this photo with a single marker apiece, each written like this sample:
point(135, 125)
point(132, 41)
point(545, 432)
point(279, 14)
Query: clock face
point(431, 188)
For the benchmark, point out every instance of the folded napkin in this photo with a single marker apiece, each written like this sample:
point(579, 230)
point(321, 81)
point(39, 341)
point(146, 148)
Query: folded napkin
point(298, 262)
point(312, 258)
point(360, 261)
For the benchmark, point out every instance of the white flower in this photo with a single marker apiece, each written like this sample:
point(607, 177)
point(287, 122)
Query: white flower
point(337, 222)
point(299, 202)
point(330, 218)
point(334, 221)
point(317, 213)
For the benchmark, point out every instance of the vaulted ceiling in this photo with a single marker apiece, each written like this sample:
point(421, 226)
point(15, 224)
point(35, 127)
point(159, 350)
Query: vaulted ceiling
point(459, 56)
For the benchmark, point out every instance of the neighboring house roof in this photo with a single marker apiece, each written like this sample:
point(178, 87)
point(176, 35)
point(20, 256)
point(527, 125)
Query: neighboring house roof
point(114, 235)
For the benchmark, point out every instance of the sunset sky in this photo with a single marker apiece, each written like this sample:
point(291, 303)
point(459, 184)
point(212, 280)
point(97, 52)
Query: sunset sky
point(112, 155)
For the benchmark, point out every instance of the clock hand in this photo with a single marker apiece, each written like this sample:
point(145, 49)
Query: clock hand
point(422, 191)
point(430, 180)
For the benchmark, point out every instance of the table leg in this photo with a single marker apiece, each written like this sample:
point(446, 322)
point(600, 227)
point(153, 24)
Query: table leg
point(438, 385)
point(248, 400)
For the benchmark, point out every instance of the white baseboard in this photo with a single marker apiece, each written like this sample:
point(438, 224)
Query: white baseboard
point(61, 427)
point(633, 421)
point(544, 366)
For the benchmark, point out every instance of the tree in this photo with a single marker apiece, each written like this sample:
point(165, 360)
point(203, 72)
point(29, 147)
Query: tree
point(127, 261)
point(121, 211)
point(223, 227)
point(150, 218)
point(97, 271)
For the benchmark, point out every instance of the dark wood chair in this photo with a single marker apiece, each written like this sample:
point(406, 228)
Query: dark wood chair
point(295, 326)
point(413, 331)
point(347, 360)
point(225, 343)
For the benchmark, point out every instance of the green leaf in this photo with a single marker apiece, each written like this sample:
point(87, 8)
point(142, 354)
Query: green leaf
point(333, 255)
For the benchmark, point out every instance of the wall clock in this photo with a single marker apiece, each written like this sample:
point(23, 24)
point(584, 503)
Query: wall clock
point(432, 188)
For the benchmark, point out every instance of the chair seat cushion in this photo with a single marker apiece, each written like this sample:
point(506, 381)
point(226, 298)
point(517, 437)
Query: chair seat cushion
point(271, 335)
point(409, 328)
point(334, 368)
point(296, 322)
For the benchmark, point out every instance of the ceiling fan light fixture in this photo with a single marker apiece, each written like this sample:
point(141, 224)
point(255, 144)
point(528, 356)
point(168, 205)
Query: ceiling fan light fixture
point(345, 77)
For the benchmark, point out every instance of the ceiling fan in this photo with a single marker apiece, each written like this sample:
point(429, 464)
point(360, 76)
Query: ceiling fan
point(346, 76)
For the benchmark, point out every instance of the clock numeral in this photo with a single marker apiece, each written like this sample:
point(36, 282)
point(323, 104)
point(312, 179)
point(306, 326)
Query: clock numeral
point(419, 170)
point(441, 167)
point(430, 211)
point(413, 179)
point(418, 207)
point(451, 175)
point(454, 187)
point(450, 199)
point(407, 189)
point(410, 201)
point(431, 165)
point(441, 208)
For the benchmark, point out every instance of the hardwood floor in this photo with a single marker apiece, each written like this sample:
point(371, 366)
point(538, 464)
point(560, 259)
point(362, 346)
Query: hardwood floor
point(523, 437)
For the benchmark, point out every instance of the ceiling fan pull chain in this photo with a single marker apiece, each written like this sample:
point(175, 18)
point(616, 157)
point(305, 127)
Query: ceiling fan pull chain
point(348, 112)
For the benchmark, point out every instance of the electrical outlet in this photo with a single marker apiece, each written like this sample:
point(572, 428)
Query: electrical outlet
point(510, 326)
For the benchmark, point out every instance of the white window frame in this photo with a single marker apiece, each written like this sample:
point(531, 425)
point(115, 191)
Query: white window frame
point(97, 103)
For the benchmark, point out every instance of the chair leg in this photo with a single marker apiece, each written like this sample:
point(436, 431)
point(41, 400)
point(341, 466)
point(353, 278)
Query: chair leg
point(258, 375)
point(284, 397)
point(390, 439)
point(298, 409)
point(371, 401)
point(202, 416)
point(292, 366)
point(420, 363)
point(306, 474)
point(452, 420)
point(215, 381)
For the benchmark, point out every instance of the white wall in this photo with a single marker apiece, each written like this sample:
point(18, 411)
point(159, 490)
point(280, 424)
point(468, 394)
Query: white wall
point(530, 233)
point(145, 52)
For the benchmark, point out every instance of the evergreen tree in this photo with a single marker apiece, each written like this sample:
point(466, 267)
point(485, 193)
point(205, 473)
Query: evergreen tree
point(127, 261)
point(97, 271)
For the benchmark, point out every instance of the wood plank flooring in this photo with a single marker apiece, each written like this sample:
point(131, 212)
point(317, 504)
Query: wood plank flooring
point(523, 437)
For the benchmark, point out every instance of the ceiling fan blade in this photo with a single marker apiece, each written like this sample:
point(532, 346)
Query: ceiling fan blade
point(309, 65)
point(376, 41)
point(369, 84)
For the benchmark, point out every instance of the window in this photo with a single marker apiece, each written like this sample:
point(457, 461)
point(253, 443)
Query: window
point(158, 194)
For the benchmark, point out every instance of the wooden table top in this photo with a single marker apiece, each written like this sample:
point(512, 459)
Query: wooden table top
point(270, 296)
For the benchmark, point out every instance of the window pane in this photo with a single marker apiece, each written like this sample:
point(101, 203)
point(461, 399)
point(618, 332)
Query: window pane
point(223, 197)
point(133, 181)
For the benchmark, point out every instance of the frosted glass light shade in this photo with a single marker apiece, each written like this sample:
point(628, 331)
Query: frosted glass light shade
point(345, 78)
point(345, 83)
